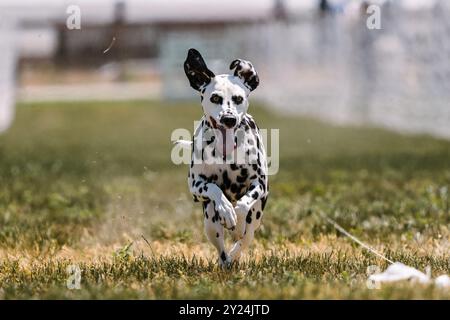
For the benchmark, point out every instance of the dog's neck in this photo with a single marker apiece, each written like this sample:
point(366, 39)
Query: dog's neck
point(225, 138)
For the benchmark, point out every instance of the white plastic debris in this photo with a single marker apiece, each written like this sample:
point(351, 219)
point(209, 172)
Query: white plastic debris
point(397, 271)
point(401, 272)
point(442, 281)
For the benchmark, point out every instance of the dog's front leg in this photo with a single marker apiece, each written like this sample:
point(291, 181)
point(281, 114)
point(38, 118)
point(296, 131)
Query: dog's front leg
point(214, 233)
point(249, 211)
point(203, 190)
point(218, 212)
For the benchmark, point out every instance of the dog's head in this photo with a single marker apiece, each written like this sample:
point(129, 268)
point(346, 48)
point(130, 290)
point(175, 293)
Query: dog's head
point(224, 97)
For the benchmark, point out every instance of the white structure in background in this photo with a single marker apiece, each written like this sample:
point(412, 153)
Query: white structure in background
point(321, 64)
point(7, 71)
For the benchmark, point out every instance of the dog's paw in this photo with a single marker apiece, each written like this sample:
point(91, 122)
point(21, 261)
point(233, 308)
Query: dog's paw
point(241, 210)
point(225, 262)
point(226, 212)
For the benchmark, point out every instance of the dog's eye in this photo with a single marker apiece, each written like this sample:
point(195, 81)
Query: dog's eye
point(237, 99)
point(216, 99)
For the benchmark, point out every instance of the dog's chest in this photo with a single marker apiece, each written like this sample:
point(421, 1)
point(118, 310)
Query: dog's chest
point(232, 179)
point(235, 175)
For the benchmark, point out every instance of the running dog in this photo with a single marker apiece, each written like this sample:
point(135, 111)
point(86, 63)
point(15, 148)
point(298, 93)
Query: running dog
point(228, 171)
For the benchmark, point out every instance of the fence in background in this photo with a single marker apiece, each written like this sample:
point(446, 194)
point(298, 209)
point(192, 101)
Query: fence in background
point(327, 65)
point(332, 67)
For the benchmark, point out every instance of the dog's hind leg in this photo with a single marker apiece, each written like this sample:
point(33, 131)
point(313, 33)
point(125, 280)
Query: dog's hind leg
point(214, 233)
point(252, 223)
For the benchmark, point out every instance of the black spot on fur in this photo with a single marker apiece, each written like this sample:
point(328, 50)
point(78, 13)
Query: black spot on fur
point(205, 206)
point(262, 183)
point(223, 256)
point(255, 195)
point(258, 215)
point(217, 235)
point(233, 166)
point(216, 216)
point(248, 219)
point(263, 202)
point(226, 180)
point(234, 188)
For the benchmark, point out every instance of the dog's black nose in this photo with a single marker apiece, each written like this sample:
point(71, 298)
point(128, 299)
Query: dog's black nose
point(228, 121)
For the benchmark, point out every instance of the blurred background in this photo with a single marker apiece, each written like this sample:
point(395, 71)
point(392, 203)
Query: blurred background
point(315, 57)
point(86, 117)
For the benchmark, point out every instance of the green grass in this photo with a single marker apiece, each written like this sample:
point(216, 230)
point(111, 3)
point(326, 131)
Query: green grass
point(85, 183)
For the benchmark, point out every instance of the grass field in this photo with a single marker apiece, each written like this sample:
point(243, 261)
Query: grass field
point(85, 183)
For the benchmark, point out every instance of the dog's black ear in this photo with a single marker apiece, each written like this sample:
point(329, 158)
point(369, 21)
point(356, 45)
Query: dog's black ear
point(196, 70)
point(245, 71)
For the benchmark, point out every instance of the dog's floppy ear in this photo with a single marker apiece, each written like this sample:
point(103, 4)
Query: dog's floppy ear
point(245, 71)
point(196, 70)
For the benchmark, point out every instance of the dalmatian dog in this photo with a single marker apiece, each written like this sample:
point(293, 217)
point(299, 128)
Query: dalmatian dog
point(228, 171)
